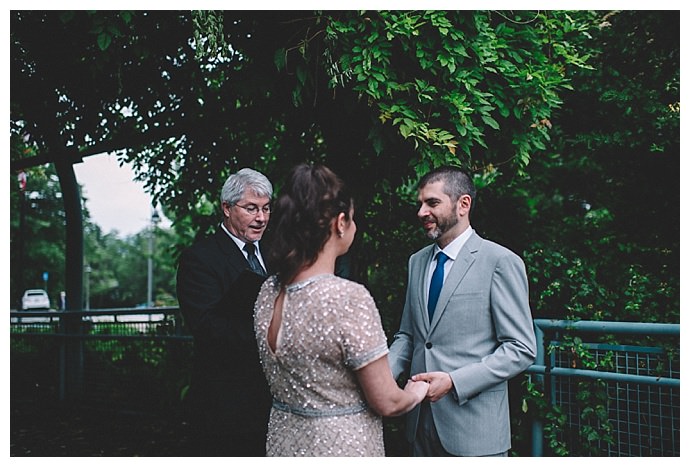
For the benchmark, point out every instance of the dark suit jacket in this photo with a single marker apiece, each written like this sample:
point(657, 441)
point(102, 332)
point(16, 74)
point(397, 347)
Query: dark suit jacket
point(216, 291)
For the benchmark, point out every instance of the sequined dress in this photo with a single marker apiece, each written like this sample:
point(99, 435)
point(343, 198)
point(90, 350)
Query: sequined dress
point(330, 327)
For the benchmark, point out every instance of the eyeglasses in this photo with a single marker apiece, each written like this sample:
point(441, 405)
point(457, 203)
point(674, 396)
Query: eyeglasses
point(253, 209)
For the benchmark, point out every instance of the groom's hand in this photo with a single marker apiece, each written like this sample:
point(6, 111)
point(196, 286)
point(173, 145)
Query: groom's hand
point(440, 384)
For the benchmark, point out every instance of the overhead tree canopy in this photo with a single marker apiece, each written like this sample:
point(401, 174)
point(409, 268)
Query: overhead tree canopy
point(191, 96)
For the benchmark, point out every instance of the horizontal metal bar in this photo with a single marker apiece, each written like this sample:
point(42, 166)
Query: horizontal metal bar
point(99, 312)
point(618, 327)
point(605, 375)
point(144, 337)
point(626, 348)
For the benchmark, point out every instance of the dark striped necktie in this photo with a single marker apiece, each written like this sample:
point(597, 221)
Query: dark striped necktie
point(254, 263)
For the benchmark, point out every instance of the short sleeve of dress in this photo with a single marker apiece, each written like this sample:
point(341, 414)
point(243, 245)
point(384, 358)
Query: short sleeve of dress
point(363, 338)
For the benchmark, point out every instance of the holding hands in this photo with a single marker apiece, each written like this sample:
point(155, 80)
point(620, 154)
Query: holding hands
point(418, 389)
point(440, 384)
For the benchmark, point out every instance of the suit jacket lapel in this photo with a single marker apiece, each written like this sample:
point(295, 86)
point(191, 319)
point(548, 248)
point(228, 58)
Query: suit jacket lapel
point(422, 269)
point(229, 249)
point(464, 260)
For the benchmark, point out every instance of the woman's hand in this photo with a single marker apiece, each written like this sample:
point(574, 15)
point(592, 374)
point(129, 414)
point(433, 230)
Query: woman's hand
point(440, 384)
point(417, 388)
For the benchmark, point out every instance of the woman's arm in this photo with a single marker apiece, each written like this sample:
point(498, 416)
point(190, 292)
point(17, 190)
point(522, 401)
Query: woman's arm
point(382, 392)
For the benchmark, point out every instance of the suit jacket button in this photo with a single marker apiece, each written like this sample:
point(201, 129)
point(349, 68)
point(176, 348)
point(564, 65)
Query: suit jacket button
point(428, 345)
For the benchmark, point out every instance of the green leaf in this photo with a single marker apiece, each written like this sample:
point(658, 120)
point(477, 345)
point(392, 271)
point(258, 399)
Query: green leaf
point(126, 16)
point(491, 122)
point(104, 40)
point(279, 59)
point(301, 74)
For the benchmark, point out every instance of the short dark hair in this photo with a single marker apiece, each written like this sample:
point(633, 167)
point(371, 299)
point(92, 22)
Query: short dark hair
point(456, 182)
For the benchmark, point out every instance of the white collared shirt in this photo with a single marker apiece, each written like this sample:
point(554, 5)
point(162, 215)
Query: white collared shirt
point(451, 250)
point(240, 245)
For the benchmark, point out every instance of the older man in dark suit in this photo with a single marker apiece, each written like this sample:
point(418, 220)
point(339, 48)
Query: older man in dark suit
point(217, 282)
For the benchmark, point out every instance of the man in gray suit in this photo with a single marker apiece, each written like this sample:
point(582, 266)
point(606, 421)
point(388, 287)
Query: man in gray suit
point(476, 334)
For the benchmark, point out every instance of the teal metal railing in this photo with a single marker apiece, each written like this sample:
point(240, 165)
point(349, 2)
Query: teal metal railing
point(630, 361)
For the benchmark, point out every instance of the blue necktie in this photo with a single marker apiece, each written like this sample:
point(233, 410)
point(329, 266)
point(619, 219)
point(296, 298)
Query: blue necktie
point(436, 283)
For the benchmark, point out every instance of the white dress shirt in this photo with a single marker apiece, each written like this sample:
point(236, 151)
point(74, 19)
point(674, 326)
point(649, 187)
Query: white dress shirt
point(240, 245)
point(451, 250)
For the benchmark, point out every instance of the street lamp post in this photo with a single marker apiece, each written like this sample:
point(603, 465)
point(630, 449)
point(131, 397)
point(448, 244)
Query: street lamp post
point(155, 219)
point(87, 270)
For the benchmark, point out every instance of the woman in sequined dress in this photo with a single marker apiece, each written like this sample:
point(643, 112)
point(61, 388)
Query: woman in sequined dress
point(320, 338)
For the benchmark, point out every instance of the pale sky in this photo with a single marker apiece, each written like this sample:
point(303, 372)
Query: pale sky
point(114, 200)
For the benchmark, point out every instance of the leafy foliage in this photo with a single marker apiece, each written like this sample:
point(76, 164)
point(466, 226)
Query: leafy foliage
point(118, 268)
point(449, 81)
point(602, 211)
point(38, 236)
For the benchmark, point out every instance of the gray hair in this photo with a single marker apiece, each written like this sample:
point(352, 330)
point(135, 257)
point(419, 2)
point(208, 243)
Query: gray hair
point(236, 184)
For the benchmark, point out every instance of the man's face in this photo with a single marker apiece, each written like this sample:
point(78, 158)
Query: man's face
point(241, 222)
point(437, 213)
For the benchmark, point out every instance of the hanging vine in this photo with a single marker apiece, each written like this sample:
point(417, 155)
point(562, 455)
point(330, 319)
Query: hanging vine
point(209, 40)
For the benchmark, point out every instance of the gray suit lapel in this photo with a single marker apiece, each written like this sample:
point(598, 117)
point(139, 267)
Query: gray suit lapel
point(462, 264)
point(422, 269)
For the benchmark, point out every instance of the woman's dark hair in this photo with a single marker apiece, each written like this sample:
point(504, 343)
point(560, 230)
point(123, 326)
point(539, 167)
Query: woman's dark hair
point(301, 217)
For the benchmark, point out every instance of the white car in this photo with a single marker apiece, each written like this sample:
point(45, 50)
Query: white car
point(35, 299)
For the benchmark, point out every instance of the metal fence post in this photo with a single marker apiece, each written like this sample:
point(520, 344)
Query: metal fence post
point(537, 425)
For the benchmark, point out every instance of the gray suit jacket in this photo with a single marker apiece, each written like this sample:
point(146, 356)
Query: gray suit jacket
point(482, 334)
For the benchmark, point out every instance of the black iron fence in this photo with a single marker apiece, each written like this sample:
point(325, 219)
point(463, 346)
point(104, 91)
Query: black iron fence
point(127, 359)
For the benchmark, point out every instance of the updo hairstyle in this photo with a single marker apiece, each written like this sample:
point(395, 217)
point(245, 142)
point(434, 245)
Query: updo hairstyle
point(301, 218)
